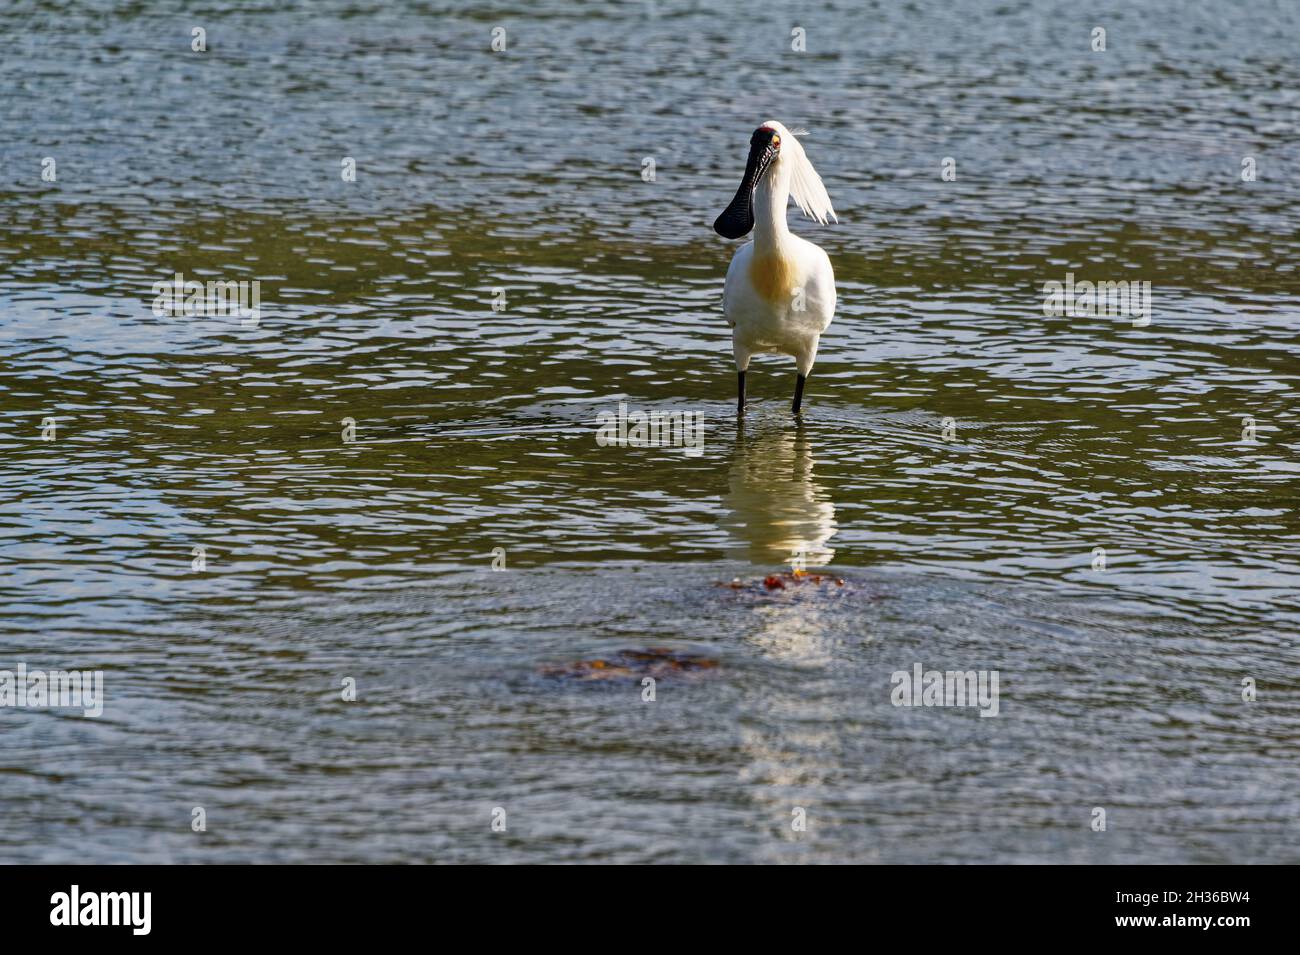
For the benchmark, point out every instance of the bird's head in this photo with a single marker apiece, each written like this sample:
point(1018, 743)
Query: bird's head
point(773, 150)
point(764, 150)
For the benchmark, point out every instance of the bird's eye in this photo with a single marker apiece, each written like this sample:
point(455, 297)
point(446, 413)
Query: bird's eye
point(776, 140)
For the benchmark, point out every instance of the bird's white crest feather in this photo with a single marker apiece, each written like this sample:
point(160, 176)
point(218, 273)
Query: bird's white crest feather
point(805, 185)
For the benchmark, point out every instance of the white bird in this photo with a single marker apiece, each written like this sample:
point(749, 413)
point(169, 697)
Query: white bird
point(780, 292)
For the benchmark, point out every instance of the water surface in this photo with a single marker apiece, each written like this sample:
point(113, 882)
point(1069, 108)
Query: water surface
point(519, 173)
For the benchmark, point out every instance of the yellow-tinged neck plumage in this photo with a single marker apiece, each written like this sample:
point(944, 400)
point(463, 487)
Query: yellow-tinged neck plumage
point(773, 275)
point(772, 268)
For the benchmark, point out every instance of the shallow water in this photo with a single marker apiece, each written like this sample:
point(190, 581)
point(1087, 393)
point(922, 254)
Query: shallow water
point(475, 430)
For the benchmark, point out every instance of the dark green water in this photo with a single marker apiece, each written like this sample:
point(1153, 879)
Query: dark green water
point(475, 430)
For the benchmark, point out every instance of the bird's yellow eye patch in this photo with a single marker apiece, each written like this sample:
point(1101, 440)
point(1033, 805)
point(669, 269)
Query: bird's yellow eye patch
point(776, 140)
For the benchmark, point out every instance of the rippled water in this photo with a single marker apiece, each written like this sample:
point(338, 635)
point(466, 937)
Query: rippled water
point(521, 171)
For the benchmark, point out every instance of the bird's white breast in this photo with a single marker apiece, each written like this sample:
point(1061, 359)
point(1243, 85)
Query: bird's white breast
point(775, 299)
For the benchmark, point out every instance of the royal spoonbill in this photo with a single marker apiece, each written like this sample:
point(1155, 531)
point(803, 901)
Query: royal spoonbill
point(780, 291)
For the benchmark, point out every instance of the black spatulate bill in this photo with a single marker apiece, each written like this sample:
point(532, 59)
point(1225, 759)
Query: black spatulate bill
point(738, 218)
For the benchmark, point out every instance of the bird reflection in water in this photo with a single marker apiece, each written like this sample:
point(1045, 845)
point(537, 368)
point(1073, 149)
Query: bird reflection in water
point(776, 510)
point(778, 514)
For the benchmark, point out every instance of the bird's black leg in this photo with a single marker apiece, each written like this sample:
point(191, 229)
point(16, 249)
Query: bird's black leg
point(740, 402)
point(798, 393)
